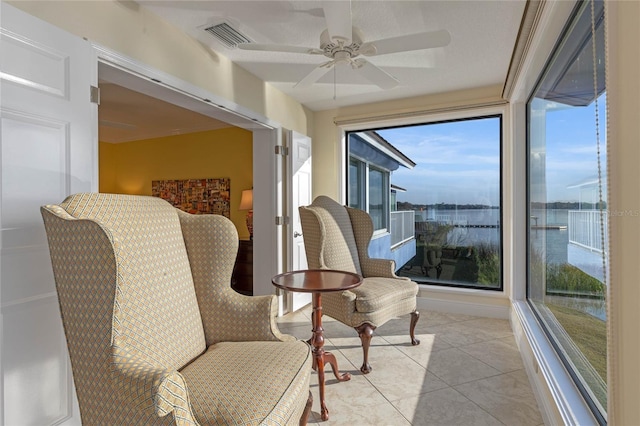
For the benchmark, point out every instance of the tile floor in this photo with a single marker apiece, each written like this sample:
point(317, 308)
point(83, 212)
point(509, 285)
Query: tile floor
point(466, 371)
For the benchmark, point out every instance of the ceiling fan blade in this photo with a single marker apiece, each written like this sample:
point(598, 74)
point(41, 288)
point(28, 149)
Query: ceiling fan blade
point(375, 74)
point(280, 48)
point(338, 17)
point(315, 75)
point(406, 43)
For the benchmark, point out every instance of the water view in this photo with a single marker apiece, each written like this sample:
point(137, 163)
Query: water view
point(456, 247)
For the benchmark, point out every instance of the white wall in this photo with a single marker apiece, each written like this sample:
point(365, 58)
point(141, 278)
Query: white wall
point(131, 30)
point(623, 140)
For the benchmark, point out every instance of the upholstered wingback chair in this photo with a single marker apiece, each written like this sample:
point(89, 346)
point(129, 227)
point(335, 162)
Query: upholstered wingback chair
point(155, 333)
point(338, 237)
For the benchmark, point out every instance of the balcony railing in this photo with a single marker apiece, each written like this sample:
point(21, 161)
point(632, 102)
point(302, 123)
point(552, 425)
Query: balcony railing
point(584, 229)
point(401, 227)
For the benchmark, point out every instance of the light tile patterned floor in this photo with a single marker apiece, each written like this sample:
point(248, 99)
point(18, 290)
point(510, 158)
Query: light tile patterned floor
point(466, 371)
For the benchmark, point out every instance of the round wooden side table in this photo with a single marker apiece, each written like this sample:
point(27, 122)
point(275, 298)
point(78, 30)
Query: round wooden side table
point(318, 281)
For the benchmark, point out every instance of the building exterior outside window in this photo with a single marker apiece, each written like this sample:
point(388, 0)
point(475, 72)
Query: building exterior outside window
point(372, 160)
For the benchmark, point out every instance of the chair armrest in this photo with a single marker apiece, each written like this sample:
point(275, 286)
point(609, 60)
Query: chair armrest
point(384, 268)
point(212, 246)
point(241, 318)
point(147, 387)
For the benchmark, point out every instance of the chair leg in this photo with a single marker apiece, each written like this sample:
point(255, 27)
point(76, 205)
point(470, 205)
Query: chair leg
point(307, 411)
point(415, 316)
point(365, 331)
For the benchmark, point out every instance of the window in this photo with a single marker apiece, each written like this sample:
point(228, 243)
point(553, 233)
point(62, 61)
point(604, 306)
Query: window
point(369, 191)
point(378, 197)
point(356, 184)
point(370, 166)
point(447, 195)
point(567, 238)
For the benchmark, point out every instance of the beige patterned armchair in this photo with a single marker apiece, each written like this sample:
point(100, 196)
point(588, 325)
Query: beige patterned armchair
point(338, 237)
point(155, 333)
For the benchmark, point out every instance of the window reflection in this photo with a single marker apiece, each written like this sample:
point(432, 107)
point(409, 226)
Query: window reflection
point(567, 236)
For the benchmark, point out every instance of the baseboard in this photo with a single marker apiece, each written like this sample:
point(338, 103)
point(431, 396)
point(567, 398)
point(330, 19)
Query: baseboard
point(464, 307)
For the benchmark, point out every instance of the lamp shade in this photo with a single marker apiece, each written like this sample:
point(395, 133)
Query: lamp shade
point(246, 202)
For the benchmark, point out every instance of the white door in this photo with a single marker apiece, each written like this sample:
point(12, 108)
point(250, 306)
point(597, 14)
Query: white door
point(48, 150)
point(299, 172)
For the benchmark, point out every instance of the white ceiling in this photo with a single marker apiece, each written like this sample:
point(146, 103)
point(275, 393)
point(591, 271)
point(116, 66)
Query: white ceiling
point(483, 35)
point(125, 115)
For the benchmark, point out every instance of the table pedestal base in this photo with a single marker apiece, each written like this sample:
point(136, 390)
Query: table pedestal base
point(316, 282)
point(320, 357)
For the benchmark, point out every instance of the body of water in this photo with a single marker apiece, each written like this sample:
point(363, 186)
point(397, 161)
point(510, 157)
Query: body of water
point(477, 226)
point(474, 227)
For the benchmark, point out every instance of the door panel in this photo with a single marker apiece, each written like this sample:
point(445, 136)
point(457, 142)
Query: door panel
point(299, 171)
point(47, 151)
point(37, 382)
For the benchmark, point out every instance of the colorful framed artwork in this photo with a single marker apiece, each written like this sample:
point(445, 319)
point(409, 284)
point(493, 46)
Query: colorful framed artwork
point(196, 196)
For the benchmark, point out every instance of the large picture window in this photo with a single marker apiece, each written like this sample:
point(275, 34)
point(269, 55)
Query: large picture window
point(447, 204)
point(567, 208)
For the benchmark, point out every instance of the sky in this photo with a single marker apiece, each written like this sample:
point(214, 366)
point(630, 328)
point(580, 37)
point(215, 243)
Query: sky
point(459, 162)
point(456, 162)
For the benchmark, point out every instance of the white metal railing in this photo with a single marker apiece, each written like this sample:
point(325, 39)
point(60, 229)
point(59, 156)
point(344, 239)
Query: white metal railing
point(452, 220)
point(401, 227)
point(584, 229)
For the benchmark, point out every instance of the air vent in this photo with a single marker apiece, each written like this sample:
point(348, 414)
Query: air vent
point(227, 35)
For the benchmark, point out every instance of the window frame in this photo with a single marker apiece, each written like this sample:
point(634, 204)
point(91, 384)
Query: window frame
point(451, 117)
point(559, 352)
point(361, 171)
point(386, 190)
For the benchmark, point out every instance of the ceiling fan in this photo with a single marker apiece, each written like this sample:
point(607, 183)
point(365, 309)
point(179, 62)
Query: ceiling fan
point(343, 43)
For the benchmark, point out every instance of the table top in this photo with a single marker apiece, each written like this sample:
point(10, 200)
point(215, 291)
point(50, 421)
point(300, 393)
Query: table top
point(317, 281)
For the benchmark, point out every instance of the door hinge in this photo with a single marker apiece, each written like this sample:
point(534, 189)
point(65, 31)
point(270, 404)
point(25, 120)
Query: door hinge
point(282, 150)
point(282, 220)
point(95, 95)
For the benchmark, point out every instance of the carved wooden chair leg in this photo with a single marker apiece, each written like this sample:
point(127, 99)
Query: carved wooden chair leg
point(365, 331)
point(307, 411)
point(415, 316)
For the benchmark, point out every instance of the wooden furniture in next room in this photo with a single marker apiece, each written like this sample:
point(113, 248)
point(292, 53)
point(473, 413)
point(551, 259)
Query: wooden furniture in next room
point(242, 279)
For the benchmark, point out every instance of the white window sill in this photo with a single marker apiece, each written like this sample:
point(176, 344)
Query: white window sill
point(555, 390)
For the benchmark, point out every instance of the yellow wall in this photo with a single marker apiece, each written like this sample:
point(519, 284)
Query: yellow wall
point(107, 167)
point(129, 168)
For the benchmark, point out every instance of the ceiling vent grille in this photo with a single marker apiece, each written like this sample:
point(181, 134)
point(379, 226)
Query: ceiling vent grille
point(227, 35)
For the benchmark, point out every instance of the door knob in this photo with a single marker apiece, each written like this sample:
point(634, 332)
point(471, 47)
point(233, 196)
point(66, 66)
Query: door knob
point(297, 234)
